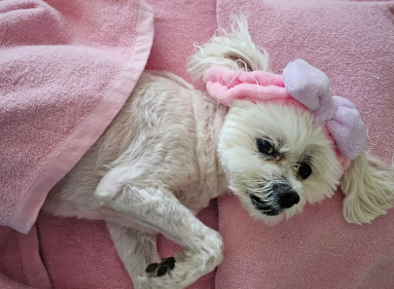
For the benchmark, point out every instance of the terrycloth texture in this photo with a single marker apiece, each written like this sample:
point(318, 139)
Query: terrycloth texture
point(79, 254)
point(227, 85)
point(66, 68)
point(352, 42)
point(21, 265)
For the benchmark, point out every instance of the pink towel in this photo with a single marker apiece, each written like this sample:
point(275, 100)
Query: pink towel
point(66, 68)
point(353, 42)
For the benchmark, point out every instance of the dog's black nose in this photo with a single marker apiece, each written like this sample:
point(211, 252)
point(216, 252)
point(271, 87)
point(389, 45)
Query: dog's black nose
point(287, 196)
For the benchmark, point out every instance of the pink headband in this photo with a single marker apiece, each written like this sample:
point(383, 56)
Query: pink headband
point(300, 85)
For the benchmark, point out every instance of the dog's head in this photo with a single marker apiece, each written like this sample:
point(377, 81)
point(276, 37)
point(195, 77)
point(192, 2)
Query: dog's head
point(280, 155)
point(287, 142)
point(276, 159)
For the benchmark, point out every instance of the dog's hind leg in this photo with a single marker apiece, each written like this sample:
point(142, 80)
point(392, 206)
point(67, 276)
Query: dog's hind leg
point(159, 210)
point(136, 249)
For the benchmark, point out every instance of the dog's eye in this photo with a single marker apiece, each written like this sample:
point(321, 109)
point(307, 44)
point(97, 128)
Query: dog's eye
point(304, 171)
point(265, 147)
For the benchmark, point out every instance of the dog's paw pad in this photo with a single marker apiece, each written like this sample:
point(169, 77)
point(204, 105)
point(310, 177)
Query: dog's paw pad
point(169, 263)
point(152, 268)
point(165, 266)
point(162, 270)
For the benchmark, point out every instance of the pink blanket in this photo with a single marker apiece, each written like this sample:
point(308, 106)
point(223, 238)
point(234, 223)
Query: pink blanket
point(351, 41)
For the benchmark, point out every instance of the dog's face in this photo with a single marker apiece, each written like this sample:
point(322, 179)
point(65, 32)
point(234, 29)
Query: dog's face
point(275, 159)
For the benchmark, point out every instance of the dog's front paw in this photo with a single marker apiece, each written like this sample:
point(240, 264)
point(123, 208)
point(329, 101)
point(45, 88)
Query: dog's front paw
point(188, 267)
point(159, 269)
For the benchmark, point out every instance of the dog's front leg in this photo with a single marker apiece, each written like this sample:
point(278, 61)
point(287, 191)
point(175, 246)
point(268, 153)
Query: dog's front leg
point(136, 249)
point(159, 210)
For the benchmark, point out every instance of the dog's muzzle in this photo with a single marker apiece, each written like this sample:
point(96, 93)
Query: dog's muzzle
point(282, 197)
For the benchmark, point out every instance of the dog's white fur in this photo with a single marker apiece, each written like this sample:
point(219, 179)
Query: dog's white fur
point(171, 149)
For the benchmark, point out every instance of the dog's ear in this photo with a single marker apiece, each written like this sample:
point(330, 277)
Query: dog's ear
point(234, 49)
point(368, 185)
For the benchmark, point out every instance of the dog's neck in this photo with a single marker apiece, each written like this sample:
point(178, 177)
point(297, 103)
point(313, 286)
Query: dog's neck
point(210, 117)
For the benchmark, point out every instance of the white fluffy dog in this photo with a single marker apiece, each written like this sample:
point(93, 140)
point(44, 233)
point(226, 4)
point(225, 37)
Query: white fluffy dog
point(172, 149)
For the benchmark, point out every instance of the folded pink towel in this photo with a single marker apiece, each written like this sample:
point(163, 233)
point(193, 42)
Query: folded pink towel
point(66, 68)
point(352, 42)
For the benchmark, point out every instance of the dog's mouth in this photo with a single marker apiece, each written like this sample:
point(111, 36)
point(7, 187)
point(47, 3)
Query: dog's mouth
point(264, 207)
point(274, 197)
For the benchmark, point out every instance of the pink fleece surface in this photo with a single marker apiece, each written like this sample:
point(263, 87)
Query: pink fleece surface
point(353, 43)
